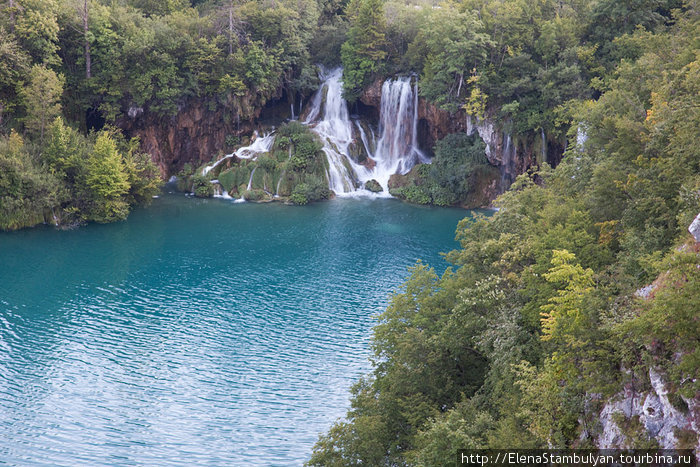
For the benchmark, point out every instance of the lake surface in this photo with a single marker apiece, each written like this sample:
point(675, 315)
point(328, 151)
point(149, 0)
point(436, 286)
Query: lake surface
point(198, 331)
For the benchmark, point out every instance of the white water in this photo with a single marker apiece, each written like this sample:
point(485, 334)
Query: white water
point(258, 146)
point(397, 148)
point(393, 151)
point(544, 145)
point(250, 181)
point(335, 130)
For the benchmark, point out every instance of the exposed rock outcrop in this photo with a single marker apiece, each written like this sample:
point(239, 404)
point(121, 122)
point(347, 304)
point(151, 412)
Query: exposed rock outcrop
point(669, 418)
point(694, 229)
point(193, 135)
point(653, 409)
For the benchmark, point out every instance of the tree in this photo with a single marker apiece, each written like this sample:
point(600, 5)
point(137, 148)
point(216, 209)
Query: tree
point(104, 181)
point(455, 45)
point(64, 150)
point(364, 50)
point(42, 98)
point(15, 62)
point(27, 193)
point(36, 27)
point(563, 317)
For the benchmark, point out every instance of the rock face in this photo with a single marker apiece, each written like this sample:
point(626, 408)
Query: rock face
point(656, 414)
point(193, 135)
point(663, 416)
point(694, 229)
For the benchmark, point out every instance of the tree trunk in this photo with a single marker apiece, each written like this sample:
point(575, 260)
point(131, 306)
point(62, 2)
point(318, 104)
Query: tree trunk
point(12, 15)
point(88, 61)
point(230, 28)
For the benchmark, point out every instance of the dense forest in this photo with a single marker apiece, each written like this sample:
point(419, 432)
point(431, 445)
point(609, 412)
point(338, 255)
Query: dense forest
point(537, 326)
point(534, 68)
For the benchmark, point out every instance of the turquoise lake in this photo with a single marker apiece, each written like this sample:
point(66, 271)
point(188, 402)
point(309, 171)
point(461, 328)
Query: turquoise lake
point(198, 331)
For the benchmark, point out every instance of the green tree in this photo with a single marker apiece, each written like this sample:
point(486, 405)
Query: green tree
point(104, 181)
point(563, 317)
point(28, 195)
point(15, 62)
point(42, 97)
point(363, 52)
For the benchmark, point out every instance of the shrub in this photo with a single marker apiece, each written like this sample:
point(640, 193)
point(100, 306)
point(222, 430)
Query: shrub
point(300, 194)
point(202, 186)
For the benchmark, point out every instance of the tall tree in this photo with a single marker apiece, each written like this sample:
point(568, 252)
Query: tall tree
point(42, 98)
point(88, 61)
point(364, 51)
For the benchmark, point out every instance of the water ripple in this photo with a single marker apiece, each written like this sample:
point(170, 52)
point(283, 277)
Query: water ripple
point(197, 332)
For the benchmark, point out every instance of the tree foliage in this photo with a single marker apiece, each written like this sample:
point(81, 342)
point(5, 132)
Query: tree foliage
point(541, 301)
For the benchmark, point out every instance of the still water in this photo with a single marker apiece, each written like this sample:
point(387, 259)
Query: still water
point(198, 331)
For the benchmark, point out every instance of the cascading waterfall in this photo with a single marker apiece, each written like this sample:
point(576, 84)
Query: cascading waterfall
point(394, 150)
point(544, 145)
point(258, 146)
point(397, 148)
point(250, 181)
point(508, 171)
point(335, 130)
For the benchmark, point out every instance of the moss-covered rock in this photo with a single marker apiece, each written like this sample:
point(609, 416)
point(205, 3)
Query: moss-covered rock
point(202, 186)
point(373, 186)
point(183, 181)
point(255, 195)
point(296, 158)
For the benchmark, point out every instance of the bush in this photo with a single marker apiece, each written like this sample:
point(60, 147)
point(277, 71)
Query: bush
point(184, 178)
point(313, 189)
point(300, 194)
point(202, 186)
point(253, 195)
point(267, 163)
point(232, 141)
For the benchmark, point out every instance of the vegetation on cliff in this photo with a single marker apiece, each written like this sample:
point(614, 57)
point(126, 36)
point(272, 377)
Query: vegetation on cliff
point(293, 170)
point(538, 325)
point(94, 62)
point(524, 61)
point(458, 175)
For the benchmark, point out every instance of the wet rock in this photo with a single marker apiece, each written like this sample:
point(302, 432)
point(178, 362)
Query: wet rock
point(373, 186)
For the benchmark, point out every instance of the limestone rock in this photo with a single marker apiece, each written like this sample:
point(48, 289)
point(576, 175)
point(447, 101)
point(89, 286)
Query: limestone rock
point(373, 186)
point(694, 229)
point(661, 420)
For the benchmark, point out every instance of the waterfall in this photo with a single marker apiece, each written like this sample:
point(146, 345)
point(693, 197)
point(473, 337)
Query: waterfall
point(335, 130)
point(250, 181)
point(258, 146)
point(367, 140)
point(581, 136)
point(291, 107)
point(397, 148)
point(508, 163)
point(544, 145)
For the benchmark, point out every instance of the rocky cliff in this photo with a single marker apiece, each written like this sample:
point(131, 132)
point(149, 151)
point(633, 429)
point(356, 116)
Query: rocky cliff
point(193, 135)
point(647, 407)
